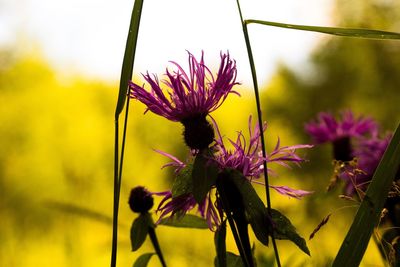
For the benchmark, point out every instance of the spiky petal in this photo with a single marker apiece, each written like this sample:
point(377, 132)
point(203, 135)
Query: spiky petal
point(192, 94)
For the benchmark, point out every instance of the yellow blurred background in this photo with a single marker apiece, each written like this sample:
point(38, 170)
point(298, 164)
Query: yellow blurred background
point(56, 160)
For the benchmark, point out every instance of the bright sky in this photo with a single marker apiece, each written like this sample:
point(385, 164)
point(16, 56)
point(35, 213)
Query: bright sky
point(88, 36)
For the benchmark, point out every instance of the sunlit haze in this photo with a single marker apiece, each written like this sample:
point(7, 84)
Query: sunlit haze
point(88, 37)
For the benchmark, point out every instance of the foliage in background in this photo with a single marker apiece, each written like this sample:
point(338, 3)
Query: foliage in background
point(56, 154)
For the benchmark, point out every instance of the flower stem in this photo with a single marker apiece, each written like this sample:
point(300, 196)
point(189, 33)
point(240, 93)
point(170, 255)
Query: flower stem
point(116, 199)
point(156, 245)
point(117, 182)
point(260, 123)
point(225, 205)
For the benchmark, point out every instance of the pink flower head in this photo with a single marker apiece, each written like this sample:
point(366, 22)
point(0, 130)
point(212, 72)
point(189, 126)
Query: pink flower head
point(329, 129)
point(180, 205)
point(340, 132)
point(247, 158)
point(192, 94)
point(369, 152)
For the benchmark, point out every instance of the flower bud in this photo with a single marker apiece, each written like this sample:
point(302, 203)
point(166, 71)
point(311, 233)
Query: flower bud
point(140, 200)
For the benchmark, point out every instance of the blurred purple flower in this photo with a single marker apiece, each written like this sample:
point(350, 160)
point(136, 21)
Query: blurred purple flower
point(368, 152)
point(340, 132)
point(192, 94)
point(328, 129)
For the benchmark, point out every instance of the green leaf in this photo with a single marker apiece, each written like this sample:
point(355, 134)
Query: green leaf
point(368, 214)
point(285, 230)
point(143, 260)
point(139, 230)
point(183, 183)
point(254, 207)
point(232, 260)
point(129, 56)
point(348, 32)
point(187, 221)
point(220, 245)
point(204, 175)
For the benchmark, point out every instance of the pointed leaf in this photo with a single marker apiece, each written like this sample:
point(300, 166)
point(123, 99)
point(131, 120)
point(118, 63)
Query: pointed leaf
point(348, 32)
point(220, 245)
point(143, 260)
point(129, 56)
point(232, 260)
point(254, 207)
point(183, 183)
point(285, 230)
point(139, 230)
point(187, 221)
point(204, 175)
point(368, 214)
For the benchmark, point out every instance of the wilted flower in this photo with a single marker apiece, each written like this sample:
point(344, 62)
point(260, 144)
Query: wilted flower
point(247, 157)
point(190, 97)
point(340, 132)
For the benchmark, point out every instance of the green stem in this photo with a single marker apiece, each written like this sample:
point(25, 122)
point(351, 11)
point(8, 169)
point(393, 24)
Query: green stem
point(227, 209)
point(117, 183)
point(116, 200)
point(156, 245)
point(260, 123)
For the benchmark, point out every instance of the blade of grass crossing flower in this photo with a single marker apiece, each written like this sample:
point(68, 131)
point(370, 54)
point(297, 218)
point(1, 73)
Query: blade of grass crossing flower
point(129, 56)
point(348, 32)
point(260, 122)
point(367, 217)
point(126, 74)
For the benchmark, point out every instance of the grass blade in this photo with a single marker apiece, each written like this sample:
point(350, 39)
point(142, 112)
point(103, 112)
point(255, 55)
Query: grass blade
point(348, 32)
point(129, 56)
point(367, 217)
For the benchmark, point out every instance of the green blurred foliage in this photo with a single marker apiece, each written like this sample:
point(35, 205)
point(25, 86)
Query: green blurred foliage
point(56, 160)
point(342, 73)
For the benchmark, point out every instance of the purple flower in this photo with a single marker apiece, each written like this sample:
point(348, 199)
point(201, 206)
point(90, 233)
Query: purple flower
point(248, 159)
point(368, 152)
point(340, 132)
point(180, 205)
point(189, 97)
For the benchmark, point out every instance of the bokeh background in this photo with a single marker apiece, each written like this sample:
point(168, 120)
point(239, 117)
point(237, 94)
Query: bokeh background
point(59, 65)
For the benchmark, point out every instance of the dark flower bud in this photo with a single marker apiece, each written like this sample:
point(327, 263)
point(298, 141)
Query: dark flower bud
point(140, 200)
point(342, 149)
point(198, 133)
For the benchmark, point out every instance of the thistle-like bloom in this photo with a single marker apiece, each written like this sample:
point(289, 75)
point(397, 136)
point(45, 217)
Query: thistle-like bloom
point(189, 97)
point(248, 159)
point(180, 205)
point(340, 132)
point(245, 158)
point(368, 152)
